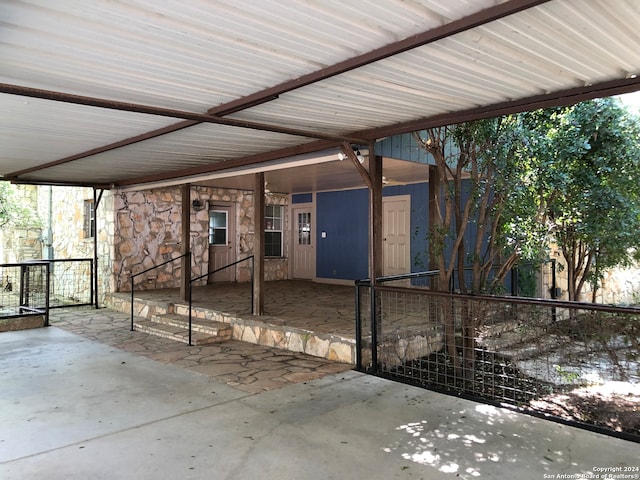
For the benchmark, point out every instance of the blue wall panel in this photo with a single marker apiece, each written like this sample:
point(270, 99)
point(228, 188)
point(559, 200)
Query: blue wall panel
point(302, 198)
point(403, 147)
point(344, 217)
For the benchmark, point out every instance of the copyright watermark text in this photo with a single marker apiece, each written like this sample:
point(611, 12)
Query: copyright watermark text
point(599, 473)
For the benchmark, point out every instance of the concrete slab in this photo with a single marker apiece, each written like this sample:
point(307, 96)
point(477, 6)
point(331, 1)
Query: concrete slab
point(71, 408)
point(58, 388)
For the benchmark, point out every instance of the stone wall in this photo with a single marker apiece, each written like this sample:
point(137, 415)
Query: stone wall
point(67, 221)
point(148, 229)
point(58, 233)
point(18, 243)
point(21, 244)
point(22, 323)
point(63, 231)
point(620, 286)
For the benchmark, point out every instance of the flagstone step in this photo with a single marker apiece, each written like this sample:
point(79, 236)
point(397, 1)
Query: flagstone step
point(176, 327)
point(264, 330)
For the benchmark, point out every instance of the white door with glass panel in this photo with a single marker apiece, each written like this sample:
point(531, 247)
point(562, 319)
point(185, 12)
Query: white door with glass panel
point(303, 244)
point(222, 250)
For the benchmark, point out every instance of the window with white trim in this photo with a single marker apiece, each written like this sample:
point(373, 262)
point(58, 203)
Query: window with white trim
point(218, 227)
point(273, 219)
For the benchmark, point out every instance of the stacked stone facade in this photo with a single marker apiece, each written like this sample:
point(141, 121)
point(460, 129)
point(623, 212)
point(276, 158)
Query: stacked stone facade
point(620, 286)
point(56, 232)
point(148, 231)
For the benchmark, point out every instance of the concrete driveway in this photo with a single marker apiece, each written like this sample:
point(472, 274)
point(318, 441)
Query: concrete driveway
point(75, 408)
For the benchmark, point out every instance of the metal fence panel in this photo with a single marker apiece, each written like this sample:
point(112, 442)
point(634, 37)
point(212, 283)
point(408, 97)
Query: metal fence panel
point(24, 289)
point(71, 282)
point(32, 287)
point(525, 353)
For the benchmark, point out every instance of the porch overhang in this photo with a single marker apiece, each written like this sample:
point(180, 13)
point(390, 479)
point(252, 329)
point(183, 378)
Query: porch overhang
point(112, 95)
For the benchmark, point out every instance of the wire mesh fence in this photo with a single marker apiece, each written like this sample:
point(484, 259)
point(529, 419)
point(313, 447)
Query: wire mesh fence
point(23, 289)
point(30, 288)
point(71, 282)
point(508, 350)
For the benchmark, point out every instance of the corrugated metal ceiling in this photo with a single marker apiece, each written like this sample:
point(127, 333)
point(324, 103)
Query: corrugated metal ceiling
point(197, 56)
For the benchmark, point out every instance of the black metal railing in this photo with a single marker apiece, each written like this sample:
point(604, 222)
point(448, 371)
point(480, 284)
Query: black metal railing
point(135, 275)
point(424, 279)
point(250, 258)
point(24, 289)
point(546, 357)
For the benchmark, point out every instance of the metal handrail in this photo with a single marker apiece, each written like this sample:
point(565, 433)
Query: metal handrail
point(195, 279)
point(403, 276)
point(133, 275)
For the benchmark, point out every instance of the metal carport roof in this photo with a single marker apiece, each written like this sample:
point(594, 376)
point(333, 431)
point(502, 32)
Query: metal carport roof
point(117, 93)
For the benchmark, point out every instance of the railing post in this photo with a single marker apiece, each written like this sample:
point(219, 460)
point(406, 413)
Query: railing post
point(190, 303)
point(358, 330)
point(253, 307)
point(47, 293)
point(132, 300)
point(93, 268)
point(374, 329)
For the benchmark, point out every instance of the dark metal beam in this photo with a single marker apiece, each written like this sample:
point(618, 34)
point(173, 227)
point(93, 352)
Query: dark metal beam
point(21, 181)
point(105, 148)
point(23, 91)
point(214, 114)
point(477, 19)
point(564, 97)
point(376, 239)
point(228, 164)
point(554, 99)
point(364, 174)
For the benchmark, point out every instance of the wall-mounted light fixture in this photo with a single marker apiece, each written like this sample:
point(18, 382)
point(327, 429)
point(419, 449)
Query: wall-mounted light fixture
point(359, 156)
point(197, 205)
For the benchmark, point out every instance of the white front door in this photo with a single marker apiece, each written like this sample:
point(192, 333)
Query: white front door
point(396, 227)
point(303, 244)
point(222, 249)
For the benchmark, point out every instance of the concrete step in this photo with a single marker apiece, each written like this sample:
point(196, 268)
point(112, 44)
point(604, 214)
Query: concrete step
point(176, 327)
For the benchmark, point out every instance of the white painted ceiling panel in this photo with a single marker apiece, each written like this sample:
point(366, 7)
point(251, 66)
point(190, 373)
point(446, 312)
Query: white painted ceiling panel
point(34, 131)
point(204, 143)
point(197, 55)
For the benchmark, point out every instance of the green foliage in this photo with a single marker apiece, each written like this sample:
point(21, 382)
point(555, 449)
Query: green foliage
point(490, 211)
point(589, 155)
point(568, 174)
point(13, 211)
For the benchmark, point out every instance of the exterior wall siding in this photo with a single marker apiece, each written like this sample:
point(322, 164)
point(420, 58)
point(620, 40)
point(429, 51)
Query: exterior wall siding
point(344, 218)
point(148, 231)
point(403, 147)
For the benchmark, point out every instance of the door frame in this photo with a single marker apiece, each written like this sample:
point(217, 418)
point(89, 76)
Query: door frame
point(293, 222)
point(406, 198)
point(232, 236)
